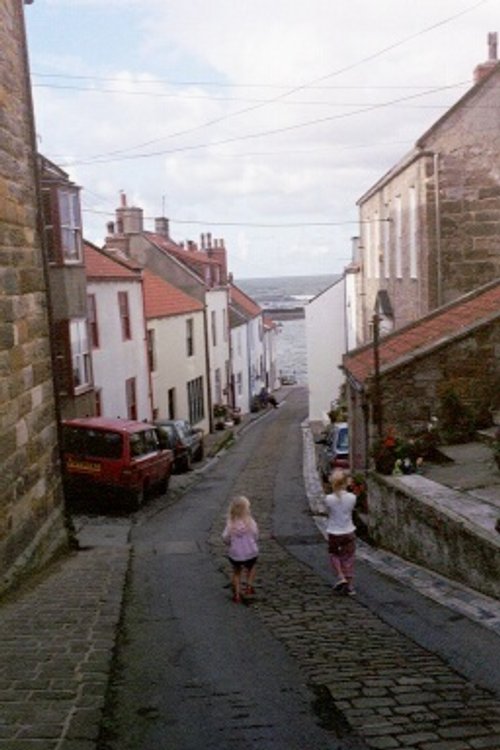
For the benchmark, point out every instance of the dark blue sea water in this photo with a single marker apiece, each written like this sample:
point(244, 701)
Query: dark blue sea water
point(283, 292)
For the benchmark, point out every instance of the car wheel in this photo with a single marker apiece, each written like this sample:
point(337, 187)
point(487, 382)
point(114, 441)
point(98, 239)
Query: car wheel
point(163, 486)
point(200, 453)
point(136, 498)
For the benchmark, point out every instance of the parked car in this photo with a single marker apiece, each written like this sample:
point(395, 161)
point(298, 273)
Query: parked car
point(334, 451)
point(120, 457)
point(183, 439)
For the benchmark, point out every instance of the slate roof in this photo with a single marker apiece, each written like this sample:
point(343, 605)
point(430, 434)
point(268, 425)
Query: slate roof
point(162, 299)
point(436, 329)
point(195, 260)
point(100, 264)
point(244, 304)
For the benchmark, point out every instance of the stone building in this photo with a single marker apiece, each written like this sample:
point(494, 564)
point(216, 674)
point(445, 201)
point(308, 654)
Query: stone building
point(453, 349)
point(430, 227)
point(31, 503)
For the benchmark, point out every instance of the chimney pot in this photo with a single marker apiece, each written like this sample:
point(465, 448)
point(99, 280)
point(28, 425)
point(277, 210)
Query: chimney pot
point(483, 69)
point(202, 240)
point(111, 227)
point(123, 199)
point(209, 240)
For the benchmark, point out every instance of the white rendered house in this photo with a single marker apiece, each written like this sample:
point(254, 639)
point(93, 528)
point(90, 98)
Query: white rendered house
point(327, 341)
point(176, 352)
point(117, 332)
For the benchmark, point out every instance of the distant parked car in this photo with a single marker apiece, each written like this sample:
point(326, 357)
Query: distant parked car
point(334, 451)
point(183, 439)
point(119, 457)
point(288, 380)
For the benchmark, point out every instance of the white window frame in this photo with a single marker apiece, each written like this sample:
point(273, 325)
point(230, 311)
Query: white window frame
point(81, 364)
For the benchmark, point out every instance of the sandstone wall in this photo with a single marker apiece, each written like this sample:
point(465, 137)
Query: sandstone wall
point(31, 509)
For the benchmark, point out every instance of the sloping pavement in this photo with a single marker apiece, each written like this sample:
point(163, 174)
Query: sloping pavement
point(57, 637)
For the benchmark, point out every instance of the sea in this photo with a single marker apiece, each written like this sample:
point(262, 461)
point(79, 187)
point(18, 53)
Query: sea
point(286, 292)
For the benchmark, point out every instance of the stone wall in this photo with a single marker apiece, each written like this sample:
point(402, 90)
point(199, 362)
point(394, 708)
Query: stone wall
point(31, 509)
point(468, 178)
point(469, 365)
point(416, 519)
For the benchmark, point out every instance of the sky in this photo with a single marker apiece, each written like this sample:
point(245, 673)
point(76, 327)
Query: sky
point(260, 122)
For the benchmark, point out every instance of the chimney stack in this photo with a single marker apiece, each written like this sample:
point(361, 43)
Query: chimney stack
point(110, 226)
point(483, 69)
point(162, 226)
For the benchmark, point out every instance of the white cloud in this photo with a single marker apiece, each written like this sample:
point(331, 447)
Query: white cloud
point(313, 173)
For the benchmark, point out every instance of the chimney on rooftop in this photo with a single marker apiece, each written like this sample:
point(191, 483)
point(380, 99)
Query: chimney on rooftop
point(483, 69)
point(129, 219)
point(162, 226)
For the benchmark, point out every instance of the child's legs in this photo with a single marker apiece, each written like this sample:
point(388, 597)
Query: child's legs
point(347, 561)
point(251, 571)
point(236, 577)
point(337, 566)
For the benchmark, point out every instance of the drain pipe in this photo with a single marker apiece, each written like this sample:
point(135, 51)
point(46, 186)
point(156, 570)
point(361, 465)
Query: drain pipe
point(437, 208)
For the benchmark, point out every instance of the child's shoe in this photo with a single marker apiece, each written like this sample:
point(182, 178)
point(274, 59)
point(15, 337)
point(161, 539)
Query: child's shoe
point(250, 591)
point(236, 598)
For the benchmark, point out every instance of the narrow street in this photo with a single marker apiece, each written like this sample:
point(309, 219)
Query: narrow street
point(299, 668)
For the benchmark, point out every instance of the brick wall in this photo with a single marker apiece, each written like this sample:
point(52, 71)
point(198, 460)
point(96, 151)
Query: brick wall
point(31, 517)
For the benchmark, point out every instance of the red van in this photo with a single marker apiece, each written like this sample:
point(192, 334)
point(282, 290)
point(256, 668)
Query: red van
point(114, 454)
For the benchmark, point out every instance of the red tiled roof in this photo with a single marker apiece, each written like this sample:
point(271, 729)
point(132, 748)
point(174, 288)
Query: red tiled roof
point(102, 265)
point(240, 299)
point(436, 328)
point(163, 299)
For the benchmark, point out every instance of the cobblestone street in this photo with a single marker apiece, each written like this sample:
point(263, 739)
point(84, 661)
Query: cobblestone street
point(372, 686)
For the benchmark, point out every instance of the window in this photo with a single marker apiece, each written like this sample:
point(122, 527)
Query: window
point(224, 324)
point(214, 328)
point(98, 402)
point(171, 403)
point(131, 398)
point(92, 317)
point(150, 339)
point(218, 386)
point(189, 337)
point(71, 225)
point(386, 245)
point(80, 353)
point(412, 217)
point(124, 315)
point(398, 238)
point(368, 250)
point(195, 400)
point(376, 245)
point(62, 224)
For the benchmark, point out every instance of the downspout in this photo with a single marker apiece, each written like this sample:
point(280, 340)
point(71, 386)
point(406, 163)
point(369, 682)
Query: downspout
point(437, 208)
point(207, 366)
point(150, 376)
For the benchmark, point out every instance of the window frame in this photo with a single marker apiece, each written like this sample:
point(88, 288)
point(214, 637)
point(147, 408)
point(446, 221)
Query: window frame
point(124, 313)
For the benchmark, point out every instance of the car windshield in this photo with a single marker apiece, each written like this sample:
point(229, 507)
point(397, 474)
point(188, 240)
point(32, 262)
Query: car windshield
point(96, 443)
point(343, 439)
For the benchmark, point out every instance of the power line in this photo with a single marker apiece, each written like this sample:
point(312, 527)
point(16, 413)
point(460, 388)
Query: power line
point(114, 156)
point(304, 86)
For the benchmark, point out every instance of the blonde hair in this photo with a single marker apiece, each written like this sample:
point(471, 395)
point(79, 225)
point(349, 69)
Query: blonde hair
point(338, 480)
point(239, 509)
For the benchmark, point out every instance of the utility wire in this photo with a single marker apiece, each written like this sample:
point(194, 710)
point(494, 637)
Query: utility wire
point(304, 86)
point(114, 157)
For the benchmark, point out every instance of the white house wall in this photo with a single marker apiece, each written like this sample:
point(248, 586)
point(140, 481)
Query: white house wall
point(217, 305)
point(173, 368)
point(326, 343)
point(116, 360)
point(239, 351)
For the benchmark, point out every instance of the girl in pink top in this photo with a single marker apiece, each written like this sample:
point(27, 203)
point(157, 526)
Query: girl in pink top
point(241, 534)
